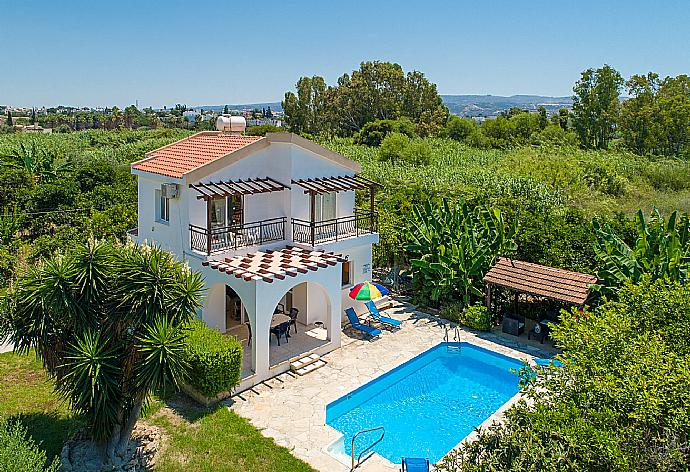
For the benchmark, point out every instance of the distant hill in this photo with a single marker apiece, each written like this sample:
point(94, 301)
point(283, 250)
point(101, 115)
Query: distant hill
point(489, 105)
point(275, 106)
point(464, 105)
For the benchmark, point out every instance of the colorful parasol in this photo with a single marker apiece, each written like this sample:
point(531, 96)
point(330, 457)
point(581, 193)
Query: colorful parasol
point(368, 291)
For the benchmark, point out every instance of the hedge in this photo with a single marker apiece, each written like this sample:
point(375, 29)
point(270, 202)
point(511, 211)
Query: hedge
point(19, 452)
point(215, 361)
point(474, 316)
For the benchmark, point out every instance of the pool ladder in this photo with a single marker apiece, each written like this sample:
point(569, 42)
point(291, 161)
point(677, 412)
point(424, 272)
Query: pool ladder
point(456, 338)
point(366, 449)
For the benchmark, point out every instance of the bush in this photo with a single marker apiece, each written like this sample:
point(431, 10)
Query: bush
point(19, 453)
point(397, 147)
point(459, 128)
point(476, 317)
point(451, 312)
point(373, 133)
point(215, 361)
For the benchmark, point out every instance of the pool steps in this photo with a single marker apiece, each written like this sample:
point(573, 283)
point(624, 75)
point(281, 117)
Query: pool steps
point(306, 364)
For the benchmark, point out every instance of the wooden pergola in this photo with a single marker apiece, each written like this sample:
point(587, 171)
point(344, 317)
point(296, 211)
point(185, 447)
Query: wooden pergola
point(340, 183)
point(564, 286)
point(221, 189)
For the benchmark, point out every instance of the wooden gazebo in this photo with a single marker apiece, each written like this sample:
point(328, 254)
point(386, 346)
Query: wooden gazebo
point(565, 286)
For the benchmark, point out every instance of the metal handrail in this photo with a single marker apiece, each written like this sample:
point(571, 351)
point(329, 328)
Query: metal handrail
point(366, 449)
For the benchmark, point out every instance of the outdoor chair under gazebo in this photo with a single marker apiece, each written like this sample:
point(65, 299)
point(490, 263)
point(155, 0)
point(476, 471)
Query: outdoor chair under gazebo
point(567, 287)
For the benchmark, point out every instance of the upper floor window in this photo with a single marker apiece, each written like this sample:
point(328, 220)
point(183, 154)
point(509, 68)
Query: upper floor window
point(324, 206)
point(162, 207)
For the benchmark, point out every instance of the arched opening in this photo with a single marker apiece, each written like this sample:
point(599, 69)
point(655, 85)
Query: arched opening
point(225, 310)
point(301, 322)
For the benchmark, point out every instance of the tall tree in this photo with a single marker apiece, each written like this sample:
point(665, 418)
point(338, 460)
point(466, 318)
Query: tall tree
point(376, 91)
point(107, 323)
point(674, 106)
point(9, 118)
point(640, 117)
point(596, 106)
point(306, 111)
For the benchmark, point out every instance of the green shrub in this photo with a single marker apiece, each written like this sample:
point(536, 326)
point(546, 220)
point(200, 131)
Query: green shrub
point(19, 452)
point(452, 312)
point(476, 317)
point(393, 146)
point(373, 133)
point(215, 361)
point(397, 147)
point(459, 128)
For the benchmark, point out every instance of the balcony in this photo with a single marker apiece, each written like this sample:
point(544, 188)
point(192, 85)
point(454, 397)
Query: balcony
point(337, 229)
point(225, 238)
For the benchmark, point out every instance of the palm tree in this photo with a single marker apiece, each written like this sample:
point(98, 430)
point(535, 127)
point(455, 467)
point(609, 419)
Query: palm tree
point(107, 322)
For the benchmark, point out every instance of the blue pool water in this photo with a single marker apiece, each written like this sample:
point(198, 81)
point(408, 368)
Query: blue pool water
point(427, 405)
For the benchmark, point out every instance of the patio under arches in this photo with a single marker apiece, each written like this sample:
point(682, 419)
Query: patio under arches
point(267, 284)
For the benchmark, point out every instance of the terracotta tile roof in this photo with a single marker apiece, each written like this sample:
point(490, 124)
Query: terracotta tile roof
point(544, 281)
point(177, 159)
point(270, 265)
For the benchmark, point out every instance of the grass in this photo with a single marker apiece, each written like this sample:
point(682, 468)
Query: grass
point(27, 394)
point(198, 439)
point(217, 439)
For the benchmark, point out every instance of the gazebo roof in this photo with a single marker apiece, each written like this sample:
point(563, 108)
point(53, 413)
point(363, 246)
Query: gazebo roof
point(526, 277)
point(269, 265)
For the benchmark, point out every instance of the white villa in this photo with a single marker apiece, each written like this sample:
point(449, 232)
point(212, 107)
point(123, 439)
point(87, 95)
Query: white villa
point(271, 224)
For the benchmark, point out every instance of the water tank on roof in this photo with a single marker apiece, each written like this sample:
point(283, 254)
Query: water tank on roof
point(231, 124)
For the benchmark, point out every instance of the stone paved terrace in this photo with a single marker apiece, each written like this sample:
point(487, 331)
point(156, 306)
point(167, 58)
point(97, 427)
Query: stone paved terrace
point(292, 409)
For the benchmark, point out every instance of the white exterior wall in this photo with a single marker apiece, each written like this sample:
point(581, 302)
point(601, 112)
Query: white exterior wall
point(168, 235)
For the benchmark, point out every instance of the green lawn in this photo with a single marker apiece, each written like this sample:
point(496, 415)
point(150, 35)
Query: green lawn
point(27, 394)
point(198, 439)
point(217, 440)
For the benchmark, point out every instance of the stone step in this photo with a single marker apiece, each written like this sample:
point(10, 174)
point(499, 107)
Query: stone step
point(310, 367)
point(304, 361)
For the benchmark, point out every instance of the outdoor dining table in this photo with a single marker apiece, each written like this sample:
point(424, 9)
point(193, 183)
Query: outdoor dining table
point(279, 319)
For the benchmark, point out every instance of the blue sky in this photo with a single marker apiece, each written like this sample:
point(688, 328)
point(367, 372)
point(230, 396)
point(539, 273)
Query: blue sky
point(91, 53)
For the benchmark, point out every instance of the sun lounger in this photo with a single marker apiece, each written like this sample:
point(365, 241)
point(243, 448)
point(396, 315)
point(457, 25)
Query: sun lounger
point(379, 317)
point(415, 464)
point(354, 321)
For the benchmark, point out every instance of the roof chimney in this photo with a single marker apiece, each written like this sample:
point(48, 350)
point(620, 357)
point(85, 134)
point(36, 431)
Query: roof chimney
point(231, 124)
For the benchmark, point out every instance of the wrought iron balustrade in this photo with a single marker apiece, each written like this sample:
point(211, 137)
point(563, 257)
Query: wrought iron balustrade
point(336, 229)
point(223, 238)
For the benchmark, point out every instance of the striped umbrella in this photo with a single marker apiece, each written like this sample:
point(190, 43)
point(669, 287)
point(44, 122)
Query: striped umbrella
point(368, 291)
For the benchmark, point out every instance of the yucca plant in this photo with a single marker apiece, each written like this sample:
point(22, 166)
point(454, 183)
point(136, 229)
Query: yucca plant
point(661, 250)
point(452, 246)
point(107, 321)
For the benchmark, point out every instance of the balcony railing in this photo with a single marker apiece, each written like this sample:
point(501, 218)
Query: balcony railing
point(309, 232)
point(224, 238)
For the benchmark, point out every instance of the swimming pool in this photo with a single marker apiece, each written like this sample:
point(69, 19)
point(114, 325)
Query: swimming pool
point(427, 405)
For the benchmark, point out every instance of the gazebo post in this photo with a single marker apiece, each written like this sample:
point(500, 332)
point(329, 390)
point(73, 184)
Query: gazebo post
point(487, 298)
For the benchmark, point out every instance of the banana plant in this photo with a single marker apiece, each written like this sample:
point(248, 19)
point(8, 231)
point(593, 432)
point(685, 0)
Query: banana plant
point(661, 250)
point(451, 246)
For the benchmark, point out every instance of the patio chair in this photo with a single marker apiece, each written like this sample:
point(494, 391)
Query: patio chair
point(379, 317)
point(513, 324)
point(293, 317)
point(415, 464)
point(354, 321)
point(281, 330)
